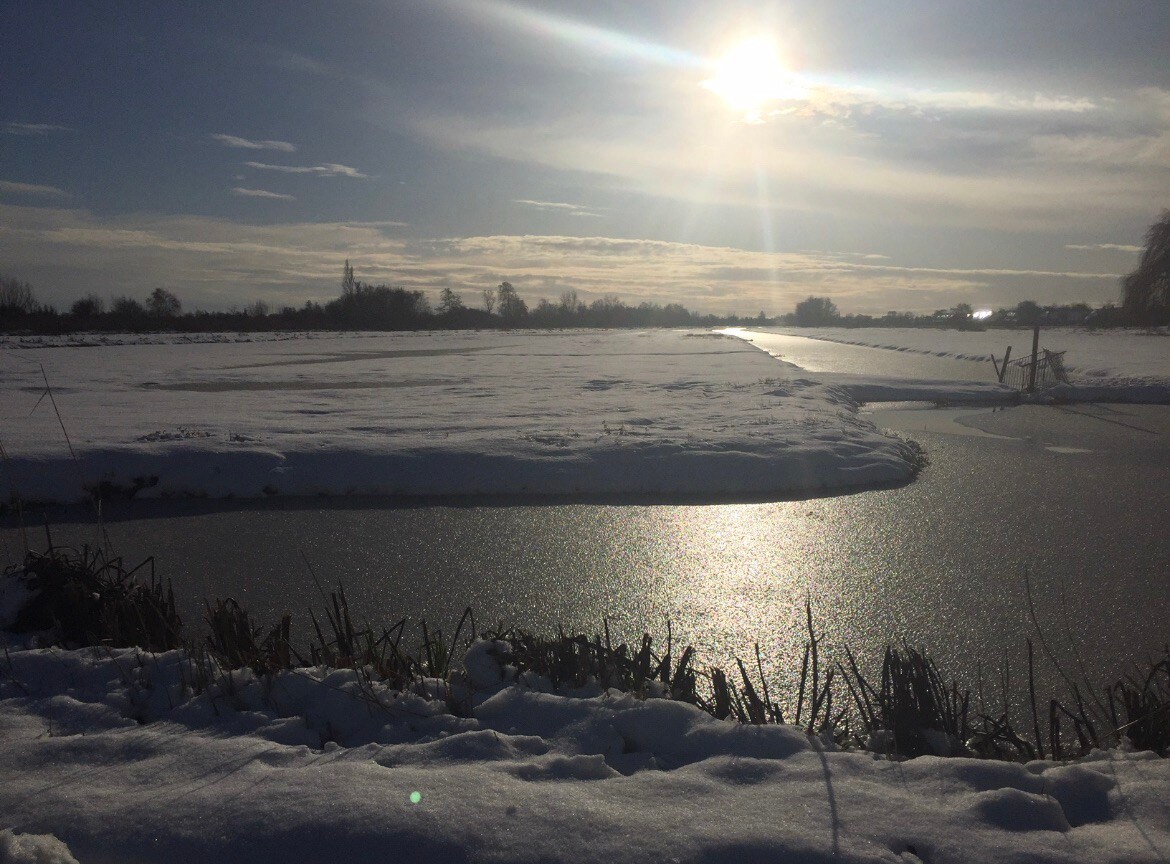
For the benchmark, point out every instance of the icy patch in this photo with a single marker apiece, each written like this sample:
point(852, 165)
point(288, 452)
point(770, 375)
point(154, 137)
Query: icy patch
point(942, 421)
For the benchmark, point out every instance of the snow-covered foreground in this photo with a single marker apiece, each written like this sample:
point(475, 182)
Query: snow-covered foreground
point(451, 413)
point(1106, 365)
point(108, 753)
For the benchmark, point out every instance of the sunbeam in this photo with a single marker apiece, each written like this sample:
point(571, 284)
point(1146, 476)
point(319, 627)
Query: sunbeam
point(588, 37)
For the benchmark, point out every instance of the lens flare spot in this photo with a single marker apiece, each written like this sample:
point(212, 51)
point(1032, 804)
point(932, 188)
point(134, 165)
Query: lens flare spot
point(415, 797)
point(751, 75)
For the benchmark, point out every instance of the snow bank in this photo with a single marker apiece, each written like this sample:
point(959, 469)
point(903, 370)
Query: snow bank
point(109, 752)
point(863, 389)
point(453, 413)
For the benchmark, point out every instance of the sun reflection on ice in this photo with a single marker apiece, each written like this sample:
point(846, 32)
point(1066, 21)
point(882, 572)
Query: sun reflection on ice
point(723, 589)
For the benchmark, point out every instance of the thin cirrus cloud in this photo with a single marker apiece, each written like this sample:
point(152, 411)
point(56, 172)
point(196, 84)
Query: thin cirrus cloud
point(1102, 247)
point(559, 207)
point(260, 193)
point(329, 169)
point(13, 188)
point(248, 144)
point(33, 128)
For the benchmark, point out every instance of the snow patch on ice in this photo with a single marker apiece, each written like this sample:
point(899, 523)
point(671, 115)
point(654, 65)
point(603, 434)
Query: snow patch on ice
point(654, 413)
point(33, 849)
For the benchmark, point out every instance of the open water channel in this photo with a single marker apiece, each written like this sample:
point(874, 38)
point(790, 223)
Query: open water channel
point(1070, 501)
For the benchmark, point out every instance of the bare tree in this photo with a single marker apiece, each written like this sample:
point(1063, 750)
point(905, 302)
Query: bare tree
point(348, 282)
point(570, 303)
point(88, 306)
point(127, 307)
point(512, 305)
point(816, 311)
point(449, 301)
point(16, 296)
point(163, 304)
point(1146, 291)
point(489, 300)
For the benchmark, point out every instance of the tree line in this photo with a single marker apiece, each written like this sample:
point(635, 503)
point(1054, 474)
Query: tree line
point(823, 312)
point(1145, 300)
point(358, 306)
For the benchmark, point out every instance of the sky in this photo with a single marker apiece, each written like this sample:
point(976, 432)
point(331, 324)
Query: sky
point(733, 157)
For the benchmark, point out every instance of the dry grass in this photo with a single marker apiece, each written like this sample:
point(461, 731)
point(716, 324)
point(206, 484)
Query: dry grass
point(1139, 706)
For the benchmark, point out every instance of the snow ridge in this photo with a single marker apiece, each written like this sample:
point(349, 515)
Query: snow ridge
point(110, 752)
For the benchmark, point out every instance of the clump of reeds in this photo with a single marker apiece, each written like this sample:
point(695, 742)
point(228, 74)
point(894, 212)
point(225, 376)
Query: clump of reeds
point(918, 712)
point(1139, 707)
point(80, 598)
point(576, 661)
point(235, 642)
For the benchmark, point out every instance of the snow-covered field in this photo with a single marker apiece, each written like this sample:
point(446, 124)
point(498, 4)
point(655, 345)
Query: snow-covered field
point(617, 412)
point(1115, 359)
point(109, 757)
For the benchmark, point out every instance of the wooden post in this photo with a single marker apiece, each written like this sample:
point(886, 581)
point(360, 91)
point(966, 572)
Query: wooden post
point(1035, 358)
point(1001, 371)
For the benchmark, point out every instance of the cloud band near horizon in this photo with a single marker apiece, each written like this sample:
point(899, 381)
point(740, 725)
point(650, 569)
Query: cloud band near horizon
point(69, 252)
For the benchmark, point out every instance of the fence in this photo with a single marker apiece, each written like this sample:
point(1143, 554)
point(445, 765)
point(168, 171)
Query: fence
point(1049, 371)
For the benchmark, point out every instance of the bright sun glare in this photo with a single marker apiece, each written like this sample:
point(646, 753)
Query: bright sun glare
point(751, 75)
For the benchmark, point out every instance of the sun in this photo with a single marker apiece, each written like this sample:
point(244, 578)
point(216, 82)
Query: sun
point(751, 75)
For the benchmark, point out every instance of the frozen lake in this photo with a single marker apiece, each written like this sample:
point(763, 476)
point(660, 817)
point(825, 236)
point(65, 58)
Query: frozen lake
point(1072, 498)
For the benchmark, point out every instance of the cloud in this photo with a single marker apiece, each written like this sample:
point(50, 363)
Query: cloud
point(260, 193)
point(959, 100)
point(985, 158)
point(720, 278)
point(9, 187)
point(559, 206)
point(1102, 247)
point(33, 128)
point(861, 256)
point(285, 60)
point(209, 261)
point(246, 144)
point(329, 169)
